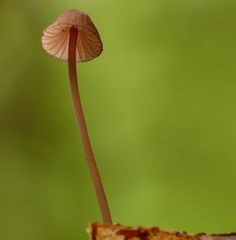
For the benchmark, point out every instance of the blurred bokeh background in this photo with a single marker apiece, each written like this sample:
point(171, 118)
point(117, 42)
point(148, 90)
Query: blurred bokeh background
point(160, 105)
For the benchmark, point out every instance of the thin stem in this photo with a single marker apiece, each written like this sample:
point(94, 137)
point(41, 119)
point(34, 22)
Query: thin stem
point(101, 197)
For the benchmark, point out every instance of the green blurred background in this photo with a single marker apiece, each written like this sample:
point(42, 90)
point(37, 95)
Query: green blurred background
point(160, 104)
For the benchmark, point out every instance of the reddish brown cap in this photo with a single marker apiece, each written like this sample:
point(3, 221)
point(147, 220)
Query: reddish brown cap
point(55, 39)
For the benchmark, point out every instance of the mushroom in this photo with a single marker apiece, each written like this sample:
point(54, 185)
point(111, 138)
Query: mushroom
point(73, 37)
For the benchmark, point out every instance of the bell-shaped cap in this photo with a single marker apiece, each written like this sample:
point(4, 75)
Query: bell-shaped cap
point(55, 38)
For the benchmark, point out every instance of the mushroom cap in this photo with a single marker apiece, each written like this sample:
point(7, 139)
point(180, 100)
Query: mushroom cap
point(55, 38)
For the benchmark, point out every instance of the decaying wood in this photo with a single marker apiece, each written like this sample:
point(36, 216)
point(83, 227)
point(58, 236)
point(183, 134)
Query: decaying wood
point(118, 232)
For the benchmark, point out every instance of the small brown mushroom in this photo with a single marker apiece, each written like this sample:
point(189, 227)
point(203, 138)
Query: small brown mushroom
point(74, 37)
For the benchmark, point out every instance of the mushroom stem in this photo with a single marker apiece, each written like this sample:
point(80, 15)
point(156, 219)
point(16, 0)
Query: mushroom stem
point(101, 197)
